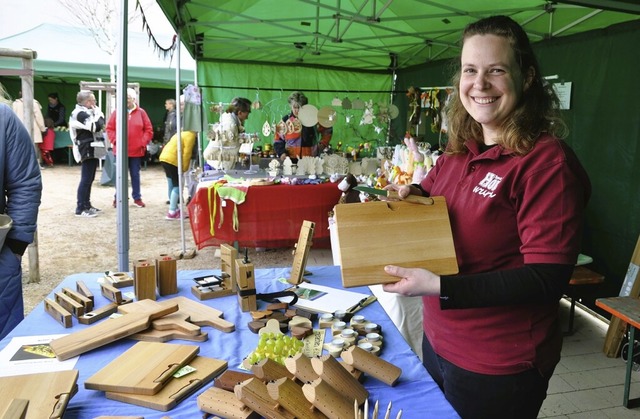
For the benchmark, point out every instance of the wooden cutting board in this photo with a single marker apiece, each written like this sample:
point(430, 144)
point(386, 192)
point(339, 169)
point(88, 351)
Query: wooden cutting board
point(202, 314)
point(177, 322)
point(48, 393)
point(107, 331)
point(374, 234)
point(143, 369)
point(176, 389)
point(154, 335)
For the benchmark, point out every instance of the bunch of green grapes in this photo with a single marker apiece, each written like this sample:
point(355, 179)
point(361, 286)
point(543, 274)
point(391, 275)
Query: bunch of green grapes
point(276, 347)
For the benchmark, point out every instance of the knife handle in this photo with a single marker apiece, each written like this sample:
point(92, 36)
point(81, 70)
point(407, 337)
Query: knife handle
point(416, 199)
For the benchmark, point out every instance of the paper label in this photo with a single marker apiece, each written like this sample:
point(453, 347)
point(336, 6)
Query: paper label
point(187, 369)
point(313, 343)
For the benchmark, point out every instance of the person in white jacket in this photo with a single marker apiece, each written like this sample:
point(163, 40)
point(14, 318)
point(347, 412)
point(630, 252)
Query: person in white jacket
point(85, 124)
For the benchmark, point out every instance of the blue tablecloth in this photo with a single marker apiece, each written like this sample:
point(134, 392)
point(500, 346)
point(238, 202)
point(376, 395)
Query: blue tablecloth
point(415, 393)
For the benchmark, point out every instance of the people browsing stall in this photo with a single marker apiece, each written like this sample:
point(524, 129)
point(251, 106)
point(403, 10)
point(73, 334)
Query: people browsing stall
point(139, 135)
point(169, 161)
point(516, 195)
point(295, 140)
point(56, 110)
point(21, 185)
point(170, 120)
point(85, 128)
point(222, 151)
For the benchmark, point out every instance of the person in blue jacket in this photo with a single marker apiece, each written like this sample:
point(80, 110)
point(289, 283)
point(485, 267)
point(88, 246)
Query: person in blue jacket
point(21, 186)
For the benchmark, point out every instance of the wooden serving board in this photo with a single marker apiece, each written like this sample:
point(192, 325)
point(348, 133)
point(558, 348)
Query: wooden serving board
point(177, 388)
point(107, 331)
point(202, 314)
point(155, 335)
point(143, 369)
point(374, 234)
point(48, 393)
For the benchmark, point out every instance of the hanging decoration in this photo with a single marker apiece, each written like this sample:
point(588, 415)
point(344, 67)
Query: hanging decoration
point(162, 52)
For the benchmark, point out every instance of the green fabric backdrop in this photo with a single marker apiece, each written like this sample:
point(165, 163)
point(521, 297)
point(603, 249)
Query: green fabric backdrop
point(272, 85)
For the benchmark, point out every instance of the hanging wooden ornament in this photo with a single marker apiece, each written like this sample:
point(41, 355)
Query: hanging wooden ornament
point(266, 129)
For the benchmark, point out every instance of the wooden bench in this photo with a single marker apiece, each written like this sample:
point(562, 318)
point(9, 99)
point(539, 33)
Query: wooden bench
point(581, 276)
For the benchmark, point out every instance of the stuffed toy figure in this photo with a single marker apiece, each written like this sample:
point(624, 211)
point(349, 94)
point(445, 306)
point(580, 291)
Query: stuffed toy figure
point(349, 195)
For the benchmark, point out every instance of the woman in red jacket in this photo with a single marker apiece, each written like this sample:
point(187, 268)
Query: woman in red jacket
point(139, 134)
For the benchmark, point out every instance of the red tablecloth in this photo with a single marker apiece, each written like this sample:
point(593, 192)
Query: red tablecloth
point(270, 216)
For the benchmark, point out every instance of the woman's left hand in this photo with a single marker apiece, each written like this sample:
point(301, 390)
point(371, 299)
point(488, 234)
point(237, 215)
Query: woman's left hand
point(413, 281)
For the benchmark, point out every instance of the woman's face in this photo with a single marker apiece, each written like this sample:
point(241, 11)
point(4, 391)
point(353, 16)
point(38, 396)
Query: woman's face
point(242, 116)
point(491, 83)
point(295, 108)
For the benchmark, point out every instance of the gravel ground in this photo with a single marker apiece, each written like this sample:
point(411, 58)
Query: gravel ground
point(67, 244)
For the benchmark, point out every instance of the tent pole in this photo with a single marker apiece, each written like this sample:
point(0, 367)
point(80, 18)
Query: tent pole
point(179, 133)
point(122, 161)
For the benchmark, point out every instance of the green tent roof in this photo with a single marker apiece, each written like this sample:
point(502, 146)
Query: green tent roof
point(365, 35)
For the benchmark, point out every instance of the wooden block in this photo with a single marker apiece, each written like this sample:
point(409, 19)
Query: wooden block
point(86, 302)
point(111, 293)
point(59, 313)
point(277, 306)
point(144, 279)
point(256, 325)
point(120, 279)
point(202, 315)
point(363, 227)
point(228, 256)
point(100, 313)
point(229, 379)
point(167, 275)
point(301, 332)
point(69, 304)
point(82, 288)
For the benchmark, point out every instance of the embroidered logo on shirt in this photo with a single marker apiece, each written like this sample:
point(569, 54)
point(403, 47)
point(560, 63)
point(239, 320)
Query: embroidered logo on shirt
point(488, 185)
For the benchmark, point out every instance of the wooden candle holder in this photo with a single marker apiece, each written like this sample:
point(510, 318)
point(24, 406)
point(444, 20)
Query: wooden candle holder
point(246, 285)
point(328, 400)
point(330, 370)
point(268, 370)
point(223, 403)
point(290, 396)
point(372, 365)
point(167, 275)
point(255, 395)
point(300, 366)
point(144, 279)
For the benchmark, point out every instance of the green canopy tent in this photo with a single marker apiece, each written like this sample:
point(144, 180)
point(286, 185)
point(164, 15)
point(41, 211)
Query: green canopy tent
point(330, 48)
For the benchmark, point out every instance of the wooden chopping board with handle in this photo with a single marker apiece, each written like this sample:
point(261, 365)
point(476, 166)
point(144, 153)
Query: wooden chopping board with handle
point(176, 389)
point(143, 369)
point(107, 331)
point(202, 314)
point(48, 393)
point(412, 235)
